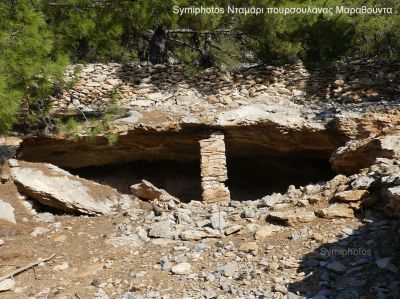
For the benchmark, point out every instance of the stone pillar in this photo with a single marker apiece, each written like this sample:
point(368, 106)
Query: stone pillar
point(213, 169)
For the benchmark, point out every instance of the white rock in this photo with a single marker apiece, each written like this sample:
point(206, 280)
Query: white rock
point(44, 217)
point(218, 221)
point(7, 212)
point(38, 231)
point(57, 188)
point(182, 269)
point(61, 267)
point(7, 284)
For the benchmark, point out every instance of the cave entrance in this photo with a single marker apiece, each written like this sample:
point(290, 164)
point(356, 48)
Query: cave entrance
point(180, 179)
point(250, 178)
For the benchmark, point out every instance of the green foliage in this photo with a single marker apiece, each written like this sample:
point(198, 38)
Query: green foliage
point(28, 67)
point(90, 129)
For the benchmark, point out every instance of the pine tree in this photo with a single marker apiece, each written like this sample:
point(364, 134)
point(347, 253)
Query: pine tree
point(27, 67)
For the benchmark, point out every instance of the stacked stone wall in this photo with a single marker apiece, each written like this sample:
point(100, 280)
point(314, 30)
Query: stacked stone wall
point(144, 85)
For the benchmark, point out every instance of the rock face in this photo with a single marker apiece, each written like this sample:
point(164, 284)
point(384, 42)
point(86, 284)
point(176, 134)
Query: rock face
point(59, 189)
point(359, 154)
point(213, 169)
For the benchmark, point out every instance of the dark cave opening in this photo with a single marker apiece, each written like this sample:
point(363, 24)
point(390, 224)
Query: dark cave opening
point(180, 179)
point(249, 178)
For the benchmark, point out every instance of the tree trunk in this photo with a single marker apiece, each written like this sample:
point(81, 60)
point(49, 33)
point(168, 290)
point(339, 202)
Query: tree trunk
point(158, 47)
point(206, 59)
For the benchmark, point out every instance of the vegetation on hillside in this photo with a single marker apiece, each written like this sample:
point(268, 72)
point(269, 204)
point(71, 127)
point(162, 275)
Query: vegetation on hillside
point(38, 38)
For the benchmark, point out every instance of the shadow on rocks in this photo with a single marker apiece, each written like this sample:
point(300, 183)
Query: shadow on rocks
point(363, 263)
point(6, 152)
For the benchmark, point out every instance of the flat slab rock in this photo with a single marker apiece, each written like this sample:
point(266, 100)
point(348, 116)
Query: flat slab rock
point(59, 189)
point(292, 218)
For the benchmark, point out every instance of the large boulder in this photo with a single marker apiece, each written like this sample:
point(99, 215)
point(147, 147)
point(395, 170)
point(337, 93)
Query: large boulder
point(358, 154)
point(59, 189)
point(159, 197)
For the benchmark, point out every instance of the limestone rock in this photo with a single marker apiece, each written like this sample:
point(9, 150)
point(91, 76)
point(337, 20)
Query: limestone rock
point(248, 247)
point(358, 154)
point(292, 218)
point(194, 235)
point(182, 269)
point(362, 183)
point(233, 229)
point(266, 231)
point(352, 195)
point(147, 191)
point(57, 188)
point(218, 221)
point(162, 230)
point(7, 284)
point(336, 211)
point(393, 194)
point(229, 269)
point(39, 231)
point(7, 212)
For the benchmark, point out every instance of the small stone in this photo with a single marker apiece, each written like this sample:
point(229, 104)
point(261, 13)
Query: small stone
point(210, 277)
point(339, 82)
point(336, 211)
point(61, 238)
point(268, 201)
point(200, 247)
point(182, 269)
point(162, 230)
point(218, 221)
point(292, 218)
point(165, 263)
point(62, 267)
point(38, 231)
point(280, 288)
point(350, 196)
point(195, 235)
point(266, 231)
point(7, 284)
point(249, 213)
point(273, 266)
point(318, 237)
point(295, 235)
point(248, 247)
point(362, 183)
point(233, 229)
point(7, 212)
point(44, 217)
point(336, 267)
point(1, 242)
point(229, 269)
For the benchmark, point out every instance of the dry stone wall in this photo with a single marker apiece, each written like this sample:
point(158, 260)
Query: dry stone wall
point(213, 169)
point(145, 85)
